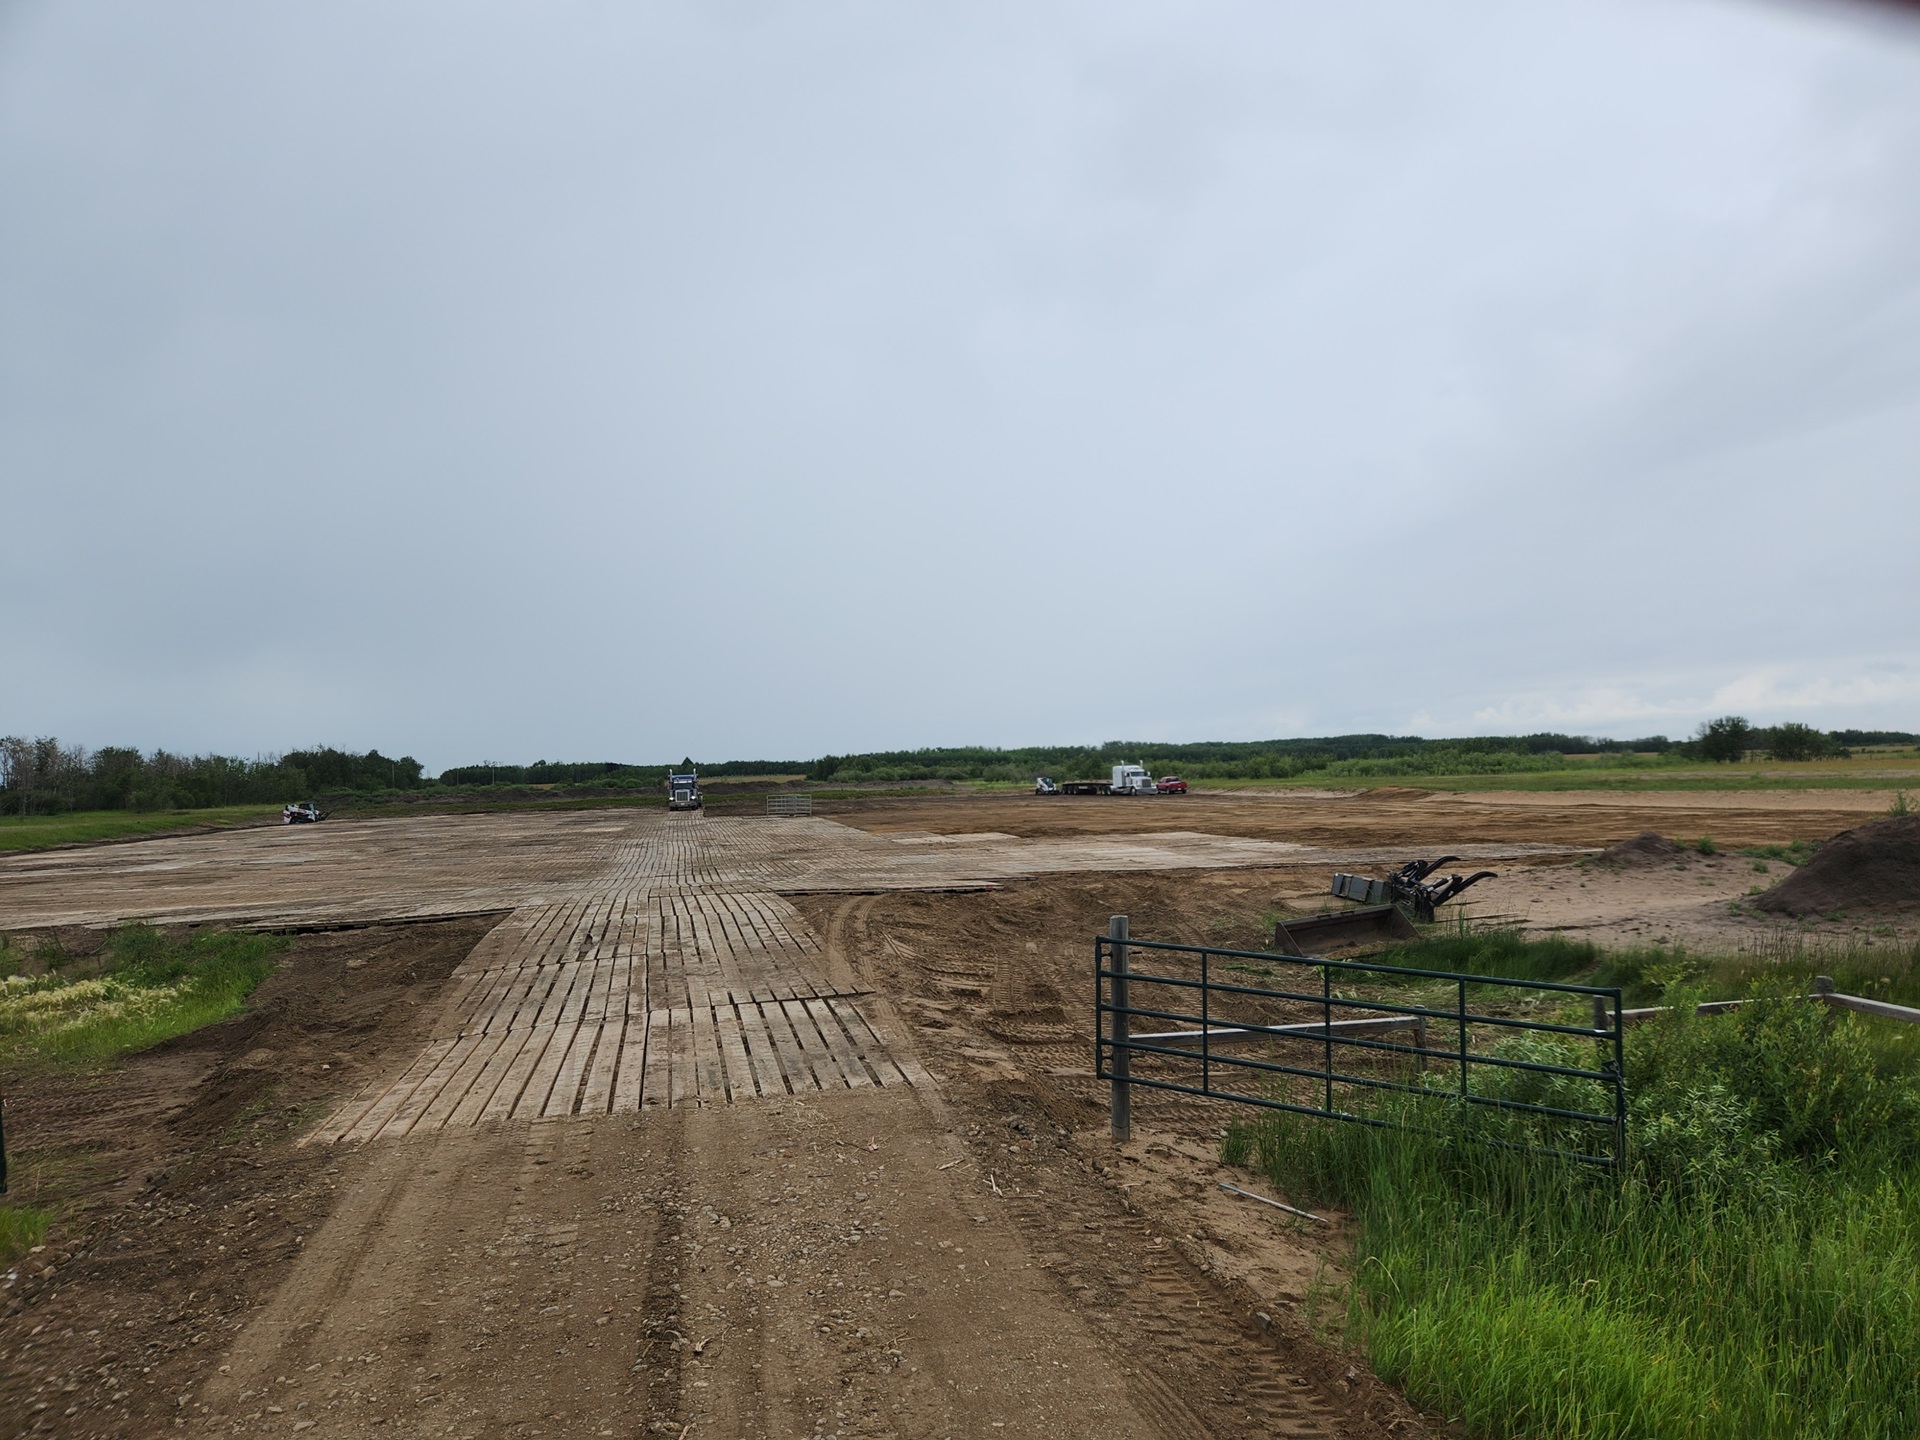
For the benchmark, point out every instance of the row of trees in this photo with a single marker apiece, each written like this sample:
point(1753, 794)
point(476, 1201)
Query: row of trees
point(1733, 738)
point(44, 777)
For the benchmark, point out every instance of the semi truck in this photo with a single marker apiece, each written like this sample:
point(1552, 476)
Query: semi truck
point(1127, 780)
point(683, 792)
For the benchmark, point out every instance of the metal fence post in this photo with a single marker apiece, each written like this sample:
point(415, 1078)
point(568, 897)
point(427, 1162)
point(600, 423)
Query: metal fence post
point(1619, 1067)
point(1464, 1088)
point(1119, 1068)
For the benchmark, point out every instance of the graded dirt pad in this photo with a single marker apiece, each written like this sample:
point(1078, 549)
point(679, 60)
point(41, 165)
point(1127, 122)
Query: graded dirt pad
point(1417, 821)
point(1871, 871)
point(752, 1256)
point(769, 1246)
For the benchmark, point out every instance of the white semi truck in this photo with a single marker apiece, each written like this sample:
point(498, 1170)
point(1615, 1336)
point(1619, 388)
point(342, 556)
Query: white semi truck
point(1127, 780)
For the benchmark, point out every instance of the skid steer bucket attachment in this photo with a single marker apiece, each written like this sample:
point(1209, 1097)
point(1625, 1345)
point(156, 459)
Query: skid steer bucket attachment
point(1318, 935)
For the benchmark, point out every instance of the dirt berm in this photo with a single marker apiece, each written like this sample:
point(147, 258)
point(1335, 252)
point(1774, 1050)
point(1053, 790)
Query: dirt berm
point(1873, 869)
point(1649, 847)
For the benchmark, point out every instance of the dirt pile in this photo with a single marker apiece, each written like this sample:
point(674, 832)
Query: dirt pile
point(1873, 869)
point(1646, 848)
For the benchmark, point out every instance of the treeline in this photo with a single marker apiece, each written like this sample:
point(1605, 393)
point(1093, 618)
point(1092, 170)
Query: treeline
point(1354, 756)
point(1237, 759)
point(1733, 738)
point(609, 774)
point(41, 777)
point(44, 777)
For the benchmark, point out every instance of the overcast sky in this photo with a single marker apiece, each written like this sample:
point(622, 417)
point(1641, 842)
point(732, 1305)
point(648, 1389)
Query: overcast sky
point(623, 381)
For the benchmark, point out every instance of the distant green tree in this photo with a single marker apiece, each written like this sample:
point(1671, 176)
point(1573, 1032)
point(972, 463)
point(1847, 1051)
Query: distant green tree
point(1794, 741)
point(1726, 739)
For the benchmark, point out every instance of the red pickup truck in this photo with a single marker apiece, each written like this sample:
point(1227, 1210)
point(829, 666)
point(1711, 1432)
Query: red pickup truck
point(1171, 785)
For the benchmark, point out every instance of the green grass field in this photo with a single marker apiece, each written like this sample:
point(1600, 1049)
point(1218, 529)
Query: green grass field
point(37, 832)
point(1869, 772)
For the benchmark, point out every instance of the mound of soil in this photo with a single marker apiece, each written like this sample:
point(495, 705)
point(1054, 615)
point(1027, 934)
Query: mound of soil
point(1646, 848)
point(1873, 869)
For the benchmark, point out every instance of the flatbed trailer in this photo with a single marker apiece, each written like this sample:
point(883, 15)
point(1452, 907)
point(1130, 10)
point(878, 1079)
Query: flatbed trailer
point(1127, 780)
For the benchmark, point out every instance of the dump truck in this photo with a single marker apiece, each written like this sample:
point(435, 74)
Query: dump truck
point(1127, 780)
point(683, 792)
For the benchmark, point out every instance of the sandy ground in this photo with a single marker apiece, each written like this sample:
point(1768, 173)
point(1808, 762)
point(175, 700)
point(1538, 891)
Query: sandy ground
point(967, 1255)
point(1410, 819)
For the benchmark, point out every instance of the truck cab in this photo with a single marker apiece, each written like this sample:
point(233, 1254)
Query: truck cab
point(1132, 780)
point(683, 792)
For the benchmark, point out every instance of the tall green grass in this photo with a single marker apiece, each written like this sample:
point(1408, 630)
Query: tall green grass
point(1754, 1271)
point(144, 988)
point(1504, 952)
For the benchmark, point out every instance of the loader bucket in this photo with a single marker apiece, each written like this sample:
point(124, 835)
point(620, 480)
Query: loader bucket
point(1320, 935)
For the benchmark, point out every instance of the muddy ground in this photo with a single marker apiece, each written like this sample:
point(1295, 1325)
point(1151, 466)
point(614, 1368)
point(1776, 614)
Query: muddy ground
point(974, 1259)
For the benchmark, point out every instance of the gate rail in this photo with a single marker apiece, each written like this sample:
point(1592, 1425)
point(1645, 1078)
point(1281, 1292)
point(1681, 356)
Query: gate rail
point(1220, 1020)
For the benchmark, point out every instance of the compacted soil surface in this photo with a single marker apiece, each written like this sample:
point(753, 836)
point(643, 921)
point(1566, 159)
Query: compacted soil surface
point(969, 1256)
point(971, 1259)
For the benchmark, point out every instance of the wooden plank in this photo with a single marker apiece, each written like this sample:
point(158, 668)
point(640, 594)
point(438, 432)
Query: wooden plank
point(546, 1074)
point(597, 1098)
point(1882, 1009)
point(493, 1069)
point(824, 1073)
point(882, 1053)
point(519, 1060)
point(564, 1098)
point(376, 1115)
point(454, 1089)
point(767, 1076)
point(797, 1074)
point(683, 1081)
point(841, 1046)
point(629, 1089)
point(733, 1051)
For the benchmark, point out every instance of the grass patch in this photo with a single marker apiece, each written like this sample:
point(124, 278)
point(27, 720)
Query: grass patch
point(1794, 852)
point(1750, 1273)
point(21, 1228)
point(1509, 953)
point(143, 988)
point(1645, 773)
point(38, 832)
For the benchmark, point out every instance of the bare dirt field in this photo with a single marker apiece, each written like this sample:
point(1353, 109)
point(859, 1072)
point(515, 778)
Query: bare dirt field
point(1394, 818)
point(649, 1125)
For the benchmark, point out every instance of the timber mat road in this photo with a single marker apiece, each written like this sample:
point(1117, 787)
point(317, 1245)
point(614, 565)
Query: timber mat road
point(644, 1151)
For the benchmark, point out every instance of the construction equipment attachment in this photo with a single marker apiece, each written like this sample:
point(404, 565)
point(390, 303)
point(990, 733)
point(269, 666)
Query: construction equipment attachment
point(1409, 887)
